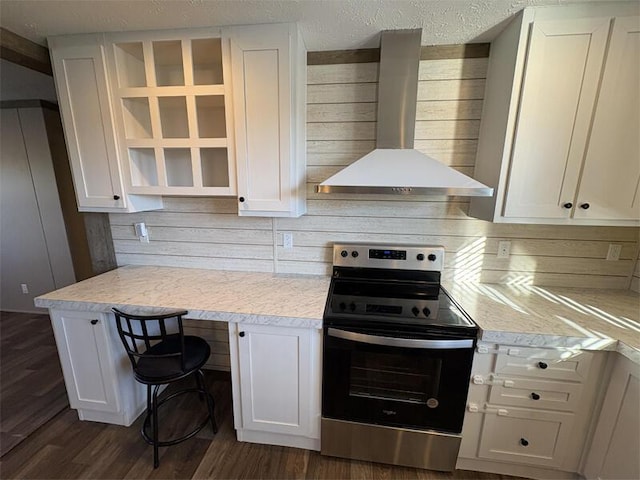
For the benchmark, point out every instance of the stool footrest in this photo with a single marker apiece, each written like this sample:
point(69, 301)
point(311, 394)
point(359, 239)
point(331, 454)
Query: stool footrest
point(167, 443)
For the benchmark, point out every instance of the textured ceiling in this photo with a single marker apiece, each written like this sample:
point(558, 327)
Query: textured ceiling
point(325, 24)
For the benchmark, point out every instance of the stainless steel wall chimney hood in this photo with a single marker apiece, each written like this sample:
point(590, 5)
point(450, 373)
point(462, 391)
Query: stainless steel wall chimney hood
point(394, 167)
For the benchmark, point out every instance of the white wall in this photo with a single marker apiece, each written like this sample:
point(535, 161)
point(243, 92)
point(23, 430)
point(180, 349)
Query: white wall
point(20, 83)
point(341, 101)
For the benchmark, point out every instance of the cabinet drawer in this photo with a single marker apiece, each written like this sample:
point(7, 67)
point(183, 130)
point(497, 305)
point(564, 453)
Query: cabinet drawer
point(544, 363)
point(526, 436)
point(532, 393)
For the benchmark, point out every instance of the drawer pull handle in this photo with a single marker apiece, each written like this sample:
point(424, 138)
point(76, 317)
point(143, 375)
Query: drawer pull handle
point(524, 442)
point(535, 396)
point(242, 334)
point(94, 321)
point(542, 365)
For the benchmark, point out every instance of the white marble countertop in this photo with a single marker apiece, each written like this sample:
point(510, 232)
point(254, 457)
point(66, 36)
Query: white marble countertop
point(589, 319)
point(515, 315)
point(287, 300)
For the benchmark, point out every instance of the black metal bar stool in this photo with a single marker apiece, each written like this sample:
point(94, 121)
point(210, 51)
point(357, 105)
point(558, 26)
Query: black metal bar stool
point(161, 354)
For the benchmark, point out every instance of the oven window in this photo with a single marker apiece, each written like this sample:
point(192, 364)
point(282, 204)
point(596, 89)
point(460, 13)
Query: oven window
point(394, 377)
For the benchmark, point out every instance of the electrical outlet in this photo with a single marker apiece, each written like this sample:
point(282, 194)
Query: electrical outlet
point(287, 240)
point(614, 252)
point(24, 288)
point(504, 249)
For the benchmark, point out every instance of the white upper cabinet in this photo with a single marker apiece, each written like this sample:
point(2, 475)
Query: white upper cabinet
point(609, 184)
point(558, 139)
point(85, 106)
point(172, 100)
point(269, 84)
point(558, 94)
point(152, 113)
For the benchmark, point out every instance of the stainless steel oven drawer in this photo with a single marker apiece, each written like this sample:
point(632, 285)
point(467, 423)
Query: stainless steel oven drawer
point(397, 446)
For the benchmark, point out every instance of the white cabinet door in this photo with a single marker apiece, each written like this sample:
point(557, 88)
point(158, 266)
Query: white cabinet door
point(526, 436)
point(81, 81)
point(562, 73)
point(616, 442)
point(278, 378)
point(268, 71)
point(609, 184)
point(84, 349)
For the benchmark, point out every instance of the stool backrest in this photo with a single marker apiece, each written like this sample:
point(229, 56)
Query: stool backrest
point(141, 332)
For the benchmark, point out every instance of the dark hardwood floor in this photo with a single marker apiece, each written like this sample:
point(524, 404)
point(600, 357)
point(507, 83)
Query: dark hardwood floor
point(66, 448)
point(31, 386)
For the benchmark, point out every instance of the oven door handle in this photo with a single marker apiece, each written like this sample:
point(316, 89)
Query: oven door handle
point(400, 342)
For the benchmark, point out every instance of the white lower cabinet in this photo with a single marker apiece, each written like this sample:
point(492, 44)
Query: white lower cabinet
point(97, 372)
point(613, 453)
point(276, 384)
point(525, 435)
point(529, 410)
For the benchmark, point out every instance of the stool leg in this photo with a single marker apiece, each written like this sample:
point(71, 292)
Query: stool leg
point(200, 385)
point(156, 461)
point(210, 402)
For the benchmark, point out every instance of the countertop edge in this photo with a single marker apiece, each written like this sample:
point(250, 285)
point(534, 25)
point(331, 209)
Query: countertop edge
point(537, 340)
point(232, 317)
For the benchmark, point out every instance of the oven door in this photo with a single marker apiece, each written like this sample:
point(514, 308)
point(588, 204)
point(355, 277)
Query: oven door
point(405, 380)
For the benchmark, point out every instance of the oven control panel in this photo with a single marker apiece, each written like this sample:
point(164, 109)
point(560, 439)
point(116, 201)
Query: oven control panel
point(387, 307)
point(397, 257)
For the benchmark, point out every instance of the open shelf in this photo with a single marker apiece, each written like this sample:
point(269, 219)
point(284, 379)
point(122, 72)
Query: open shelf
point(177, 162)
point(211, 116)
point(137, 119)
point(173, 117)
point(144, 172)
point(215, 167)
point(171, 101)
point(207, 61)
point(130, 65)
point(167, 57)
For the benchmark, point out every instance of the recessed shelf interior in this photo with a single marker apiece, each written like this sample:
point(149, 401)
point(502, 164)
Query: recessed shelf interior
point(215, 167)
point(137, 119)
point(130, 64)
point(177, 162)
point(144, 172)
point(207, 61)
point(167, 56)
point(173, 117)
point(211, 117)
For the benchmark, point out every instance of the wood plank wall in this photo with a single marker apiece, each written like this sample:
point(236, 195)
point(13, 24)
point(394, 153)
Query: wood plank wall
point(635, 279)
point(341, 101)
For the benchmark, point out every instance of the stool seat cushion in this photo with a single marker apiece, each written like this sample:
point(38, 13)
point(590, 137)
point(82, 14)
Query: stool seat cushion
point(158, 370)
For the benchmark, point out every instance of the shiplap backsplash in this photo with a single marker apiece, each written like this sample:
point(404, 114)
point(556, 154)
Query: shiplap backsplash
point(341, 115)
point(635, 279)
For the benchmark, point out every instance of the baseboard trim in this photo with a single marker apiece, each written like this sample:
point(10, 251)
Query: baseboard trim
point(281, 439)
point(528, 471)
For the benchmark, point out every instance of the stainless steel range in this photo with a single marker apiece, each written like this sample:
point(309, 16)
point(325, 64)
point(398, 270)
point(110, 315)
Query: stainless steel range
point(397, 358)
